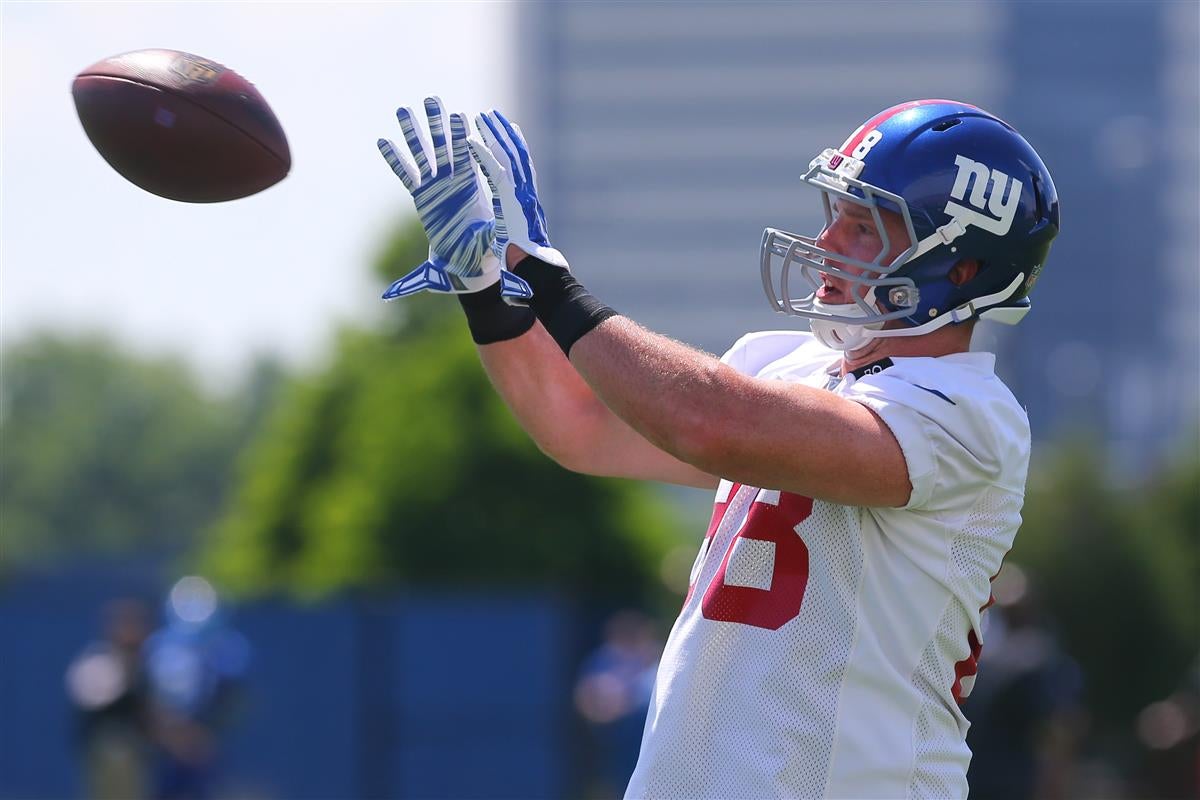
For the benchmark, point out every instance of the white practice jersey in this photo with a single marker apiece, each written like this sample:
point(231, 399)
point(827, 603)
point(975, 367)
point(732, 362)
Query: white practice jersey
point(822, 649)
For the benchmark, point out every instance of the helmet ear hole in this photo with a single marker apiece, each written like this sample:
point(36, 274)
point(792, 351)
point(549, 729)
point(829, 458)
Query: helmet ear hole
point(965, 271)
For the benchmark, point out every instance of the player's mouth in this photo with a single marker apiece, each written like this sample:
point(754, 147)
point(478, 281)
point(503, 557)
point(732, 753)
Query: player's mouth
point(830, 291)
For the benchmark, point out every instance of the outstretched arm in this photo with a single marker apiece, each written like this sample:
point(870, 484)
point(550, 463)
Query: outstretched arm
point(773, 434)
point(685, 403)
point(553, 404)
point(568, 422)
point(710, 418)
point(467, 237)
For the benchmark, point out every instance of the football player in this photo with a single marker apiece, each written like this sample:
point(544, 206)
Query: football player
point(869, 474)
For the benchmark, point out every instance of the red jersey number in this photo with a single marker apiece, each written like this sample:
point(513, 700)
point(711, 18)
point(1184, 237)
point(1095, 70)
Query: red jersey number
point(775, 606)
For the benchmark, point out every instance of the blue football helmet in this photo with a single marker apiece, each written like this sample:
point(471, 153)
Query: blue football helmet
point(966, 185)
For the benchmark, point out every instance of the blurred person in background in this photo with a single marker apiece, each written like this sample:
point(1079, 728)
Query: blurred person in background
point(107, 687)
point(1169, 732)
point(612, 695)
point(194, 663)
point(1025, 709)
point(869, 475)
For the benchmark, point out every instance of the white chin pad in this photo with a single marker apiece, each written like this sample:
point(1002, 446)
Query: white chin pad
point(842, 335)
point(839, 335)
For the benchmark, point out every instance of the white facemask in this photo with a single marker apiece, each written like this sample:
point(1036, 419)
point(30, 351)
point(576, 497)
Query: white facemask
point(843, 335)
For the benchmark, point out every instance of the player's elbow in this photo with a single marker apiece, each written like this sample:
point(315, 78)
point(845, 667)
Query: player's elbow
point(702, 447)
point(696, 437)
point(570, 459)
point(564, 452)
point(578, 446)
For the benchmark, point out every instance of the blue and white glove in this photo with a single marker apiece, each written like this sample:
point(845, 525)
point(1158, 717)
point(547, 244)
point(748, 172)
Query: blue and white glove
point(453, 208)
point(503, 156)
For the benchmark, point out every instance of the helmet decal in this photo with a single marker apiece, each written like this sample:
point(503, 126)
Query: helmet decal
point(864, 147)
point(1001, 202)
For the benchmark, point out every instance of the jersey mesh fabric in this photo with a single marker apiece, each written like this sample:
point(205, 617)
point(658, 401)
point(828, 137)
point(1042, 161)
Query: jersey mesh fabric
point(852, 695)
point(975, 557)
point(733, 702)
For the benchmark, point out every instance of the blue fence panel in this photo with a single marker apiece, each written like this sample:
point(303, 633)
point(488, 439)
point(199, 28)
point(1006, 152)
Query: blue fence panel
point(297, 731)
point(409, 696)
point(481, 693)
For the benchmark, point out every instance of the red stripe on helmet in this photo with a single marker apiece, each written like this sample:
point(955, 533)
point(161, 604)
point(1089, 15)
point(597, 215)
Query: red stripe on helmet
point(883, 116)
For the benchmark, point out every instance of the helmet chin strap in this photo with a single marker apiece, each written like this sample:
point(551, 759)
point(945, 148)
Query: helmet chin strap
point(847, 336)
point(844, 335)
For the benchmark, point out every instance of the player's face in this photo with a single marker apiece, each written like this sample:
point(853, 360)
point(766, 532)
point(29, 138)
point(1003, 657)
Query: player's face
point(853, 233)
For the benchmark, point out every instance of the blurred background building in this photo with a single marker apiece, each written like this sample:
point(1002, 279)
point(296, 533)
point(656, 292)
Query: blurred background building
point(668, 139)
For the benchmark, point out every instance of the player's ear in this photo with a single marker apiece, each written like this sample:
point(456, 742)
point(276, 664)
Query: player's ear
point(964, 271)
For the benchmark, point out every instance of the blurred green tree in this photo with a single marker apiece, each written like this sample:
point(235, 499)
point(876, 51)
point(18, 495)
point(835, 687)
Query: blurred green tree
point(1117, 568)
point(397, 464)
point(103, 452)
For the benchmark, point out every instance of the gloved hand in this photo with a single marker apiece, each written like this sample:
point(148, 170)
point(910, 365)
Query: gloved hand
point(503, 155)
point(453, 208)
point(564, 307)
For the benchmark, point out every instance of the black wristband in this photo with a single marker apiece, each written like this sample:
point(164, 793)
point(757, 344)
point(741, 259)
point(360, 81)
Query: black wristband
point(493, 320)
point(566, 310)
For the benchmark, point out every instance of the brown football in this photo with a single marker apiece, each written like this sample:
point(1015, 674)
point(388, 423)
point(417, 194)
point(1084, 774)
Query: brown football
point(181, 126)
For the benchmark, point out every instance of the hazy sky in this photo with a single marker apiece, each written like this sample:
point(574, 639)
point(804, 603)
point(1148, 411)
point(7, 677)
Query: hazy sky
point(81, 248)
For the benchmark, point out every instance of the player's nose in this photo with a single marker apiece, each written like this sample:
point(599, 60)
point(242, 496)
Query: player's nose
point(830, 236)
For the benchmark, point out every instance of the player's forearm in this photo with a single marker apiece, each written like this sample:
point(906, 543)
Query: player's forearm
point(702, 413)
point(764, 433)
point(664, 399)
point(530, 373)
point(668, 392)
point(707, 414)
point(545, 393)
point(555, 405)
point(562, 414)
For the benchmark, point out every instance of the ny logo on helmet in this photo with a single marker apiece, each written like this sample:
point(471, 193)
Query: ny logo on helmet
point(1000, 202)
